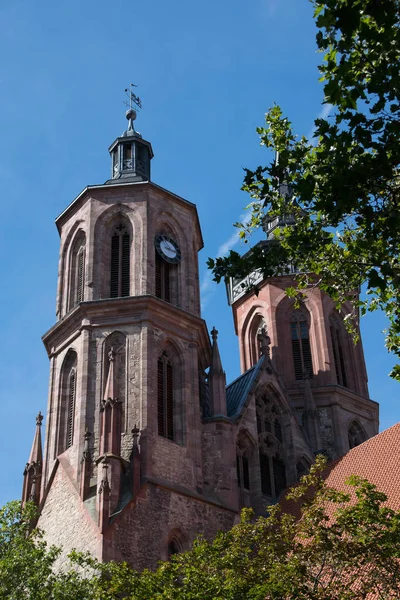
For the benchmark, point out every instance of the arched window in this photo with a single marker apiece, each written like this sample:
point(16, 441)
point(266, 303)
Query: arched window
point(356, 434)
point(67, 407)
point(338, 354)
point(77, 271)
point(174, 547)
point(270, 441)
point(300, 344)
point(165, 397)
point(120, 261)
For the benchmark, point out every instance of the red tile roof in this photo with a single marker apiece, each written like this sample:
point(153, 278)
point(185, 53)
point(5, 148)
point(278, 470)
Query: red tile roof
point(377, 459)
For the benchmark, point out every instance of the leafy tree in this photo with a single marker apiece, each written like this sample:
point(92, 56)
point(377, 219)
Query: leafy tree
point(321, 544)
point(343, 191)
point(27, 563)
point(344, 546)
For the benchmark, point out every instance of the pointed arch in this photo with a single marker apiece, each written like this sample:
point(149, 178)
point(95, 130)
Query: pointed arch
point(113, 269)
point(245, 466)
point(176, 543)
point(271, 443)
point(77, 261)
point(356, 434)
point(256, 325)
point(170, 409)
point(67, 406)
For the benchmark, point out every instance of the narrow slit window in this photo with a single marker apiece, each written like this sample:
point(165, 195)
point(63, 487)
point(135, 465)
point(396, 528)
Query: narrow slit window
point(165, 398)
point(338, 354)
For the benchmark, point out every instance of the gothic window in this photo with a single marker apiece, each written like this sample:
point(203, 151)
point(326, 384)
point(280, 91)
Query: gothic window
point(243, 468)
point(338, 354)
point(356, 435)
point(120, 262)
point(174, 547)
point(67, 407)
point(270, 441)
point(77, 271)
point(301, 348)
point(165, 397)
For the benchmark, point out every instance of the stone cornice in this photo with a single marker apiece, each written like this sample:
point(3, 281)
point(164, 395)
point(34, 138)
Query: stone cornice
point(116, 312)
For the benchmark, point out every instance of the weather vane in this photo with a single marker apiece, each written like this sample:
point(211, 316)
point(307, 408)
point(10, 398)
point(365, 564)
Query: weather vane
point(133, 98)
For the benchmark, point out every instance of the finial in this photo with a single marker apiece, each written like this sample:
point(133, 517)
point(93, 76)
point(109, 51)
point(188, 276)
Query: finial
point(39, 419)
point(214, 334)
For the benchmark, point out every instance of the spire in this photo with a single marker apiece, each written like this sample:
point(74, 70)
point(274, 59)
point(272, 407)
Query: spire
point(36, 456)
point(111, 390)
point(33, 468)
point(217, 379)
point(130, 154)
point(216, 364)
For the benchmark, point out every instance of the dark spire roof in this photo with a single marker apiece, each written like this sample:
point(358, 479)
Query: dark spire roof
point(36, 456)
point(130, 153)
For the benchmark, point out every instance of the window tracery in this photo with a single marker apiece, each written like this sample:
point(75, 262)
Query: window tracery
point(356, 434)
point(271, 451)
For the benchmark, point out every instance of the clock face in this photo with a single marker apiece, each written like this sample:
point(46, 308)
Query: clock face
point(167, 248)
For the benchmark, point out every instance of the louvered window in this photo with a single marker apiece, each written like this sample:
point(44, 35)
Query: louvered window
point(301, 346)
point(163, 278)
point(77, 272)
point(80, 275)
point(120, 262)
point(71, 409)
point(165, 397)
point(338, 355)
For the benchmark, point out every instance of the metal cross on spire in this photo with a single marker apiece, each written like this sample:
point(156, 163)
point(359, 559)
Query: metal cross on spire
point(133, 98)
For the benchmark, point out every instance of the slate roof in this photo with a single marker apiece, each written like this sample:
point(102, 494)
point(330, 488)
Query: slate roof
point(238, 390)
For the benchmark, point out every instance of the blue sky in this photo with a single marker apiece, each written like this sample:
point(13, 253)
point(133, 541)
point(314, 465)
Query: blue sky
point(207, 72)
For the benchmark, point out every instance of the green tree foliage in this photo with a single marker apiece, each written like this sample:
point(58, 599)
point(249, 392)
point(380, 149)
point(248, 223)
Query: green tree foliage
point(339, 547)
point(345, 188)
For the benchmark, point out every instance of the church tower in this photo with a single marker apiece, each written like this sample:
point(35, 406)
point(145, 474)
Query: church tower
point(124, 473)
point(321, 368)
